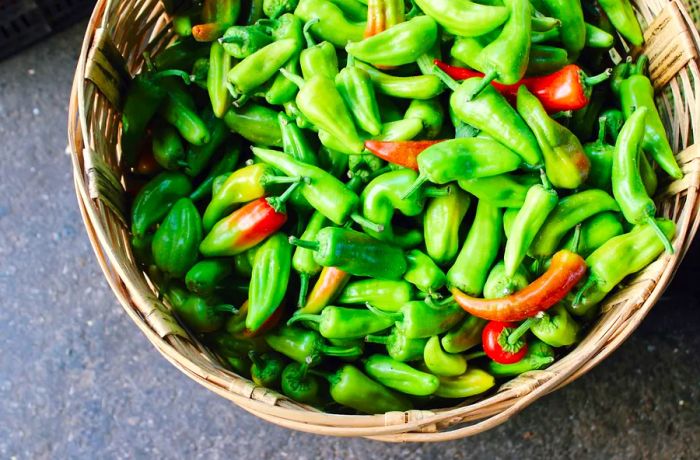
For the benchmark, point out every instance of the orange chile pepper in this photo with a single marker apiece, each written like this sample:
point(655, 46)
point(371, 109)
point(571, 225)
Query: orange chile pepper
point(236, 324)
point(218, 15)
point(565, 271)
point(402, 153)
point(382, 14)
point(330, 282)
point(566, 89)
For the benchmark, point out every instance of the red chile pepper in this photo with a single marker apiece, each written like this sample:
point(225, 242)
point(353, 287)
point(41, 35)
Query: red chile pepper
point(494, 339)
point(566, 89)
point(565, 271)
point(402, 153)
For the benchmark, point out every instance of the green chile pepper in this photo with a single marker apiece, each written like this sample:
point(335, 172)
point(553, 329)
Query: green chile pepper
point(276, 8)
point(207, 275)
point(573, 26)
point(617, 258)
point(155, 199)
point(354, 10)
point(256, 123)
point(622, 16)
point(441, 363)
point(282, 90)
point(508, 218)
point(400, 376)
point(317, 58)
point(502, 191)
point(269, 281)
point(199, 156)
point(181, 55)
point(414, 87)
point(479, 252)
point(345, 323)
point(595, 232)
point(430, 113)
point(200, 72)
point(464, 336)
point(225, 165)
point(261, 66)
point(332, 25)
point(355, 253)
point(424, 273)
point(463, 17)
point(332, 161)
point(556, 327)
point(441, 222)
point(473, 382)
point(570, 211)
point(200, 316)
point(417, 319)
point(400, 347)
point(538, 355)
point(301, 385)
point(219, 66)
point(267, 368)
point(546, 59)
point(168, 149)
point(398, 45)
point(499, 284)
point(303, 260)
point(600, 155)
point(357, 90)
point(242, 41)
point(305, 346)
point(539, 203)
point(176, 242)
point(387, 295)
point(179, 110)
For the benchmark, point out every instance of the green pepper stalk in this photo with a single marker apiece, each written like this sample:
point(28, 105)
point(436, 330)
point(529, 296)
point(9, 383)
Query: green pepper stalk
point(355, 253)
point(178, 109)
point(502, 191)
point(357, 90)
point(324, 192)
point(463, 336)
point(242, 41)
point(417, 319)
point(539, 203)
point(431, 114)
point(345, 323)
point(199, 156)
point(301, 385)
point(269, 281)
point(401, 44)
point(441, 222)
point(167, 146)
point(207, 275)
point(565, 161)
point(303, 259)
point(617, 258)
point(555, 327)
point(491, 113)
point(175, 243)
point(155, 199)
point(400, 347)
point(538, 355)
point(473, 382)
point(479, 251)
point(305, 346)
point(317, 58)
point(255, 123)
point(201, 316)
point(414, 87)
point(386, 194)
point(253, 71)
point(387, 295)
point(442, 363)
point(570, 211)
point(637, 92)
point(463, 159)
point(463, 17)
point(400, 376)
point(628, 187)
point(594, 232)
point(267, 368)
point(332, 25)
point(423, 273)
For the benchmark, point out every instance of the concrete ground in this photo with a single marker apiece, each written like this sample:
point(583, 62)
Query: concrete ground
point(78, 380)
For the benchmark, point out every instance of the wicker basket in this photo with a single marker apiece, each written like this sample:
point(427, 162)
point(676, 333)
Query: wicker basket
point(117, 35)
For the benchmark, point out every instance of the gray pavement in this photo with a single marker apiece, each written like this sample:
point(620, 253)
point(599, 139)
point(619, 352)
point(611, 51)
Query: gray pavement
point(78, 380)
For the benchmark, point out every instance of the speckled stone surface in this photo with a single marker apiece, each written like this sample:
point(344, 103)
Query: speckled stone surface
point(78, 380)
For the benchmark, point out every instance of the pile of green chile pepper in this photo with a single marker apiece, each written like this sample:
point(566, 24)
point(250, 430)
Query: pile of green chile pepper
point(380, 205)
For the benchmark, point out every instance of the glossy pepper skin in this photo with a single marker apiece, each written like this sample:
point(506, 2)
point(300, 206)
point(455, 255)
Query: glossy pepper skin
point(269, 281)
point(556, 328)
point(498, 284)
point(330, 283)
point(565, 271)
point(473, 382)
point(463, 17)
point(400, 347)
point(356, 253)
point(621, 14)
point(573, 26)
point(261, 66)
point(357, 90)
point(463, 336)
point(413, 87)
point(168, 150)
point(303, 259)
point(430, 112)
point(502, 191)
point(441, 223)
point(417, 319)
point(383, 14)
point(332, 25)
point(400, 376)
point(300, 385)
point(178, 109)
point(219, 67)
point(155, 199)
point(224, 165)
point(242, 41)
point(181, 55)
point(479, 251)
point(600, 155)
point(618, 258)
point(565, 161)
point(317, 58)
point(636, 92)
point(595, 232)
point(305, 346)
point(424, 273)
point(207, 275)
point(539, 203)
point(200, 316)
point(256, 123)
point(345, 323)
point(497, 344)
point(570, 211)
point(402, 153)
point(217, 16)
point(441, 363)
point(387, 295)
point(538, 355)
point(281, 90)
point(398, 45)
point(199, 156)
point(176, 241)
point(267, 368)
point(628, 187)
point(276, 8)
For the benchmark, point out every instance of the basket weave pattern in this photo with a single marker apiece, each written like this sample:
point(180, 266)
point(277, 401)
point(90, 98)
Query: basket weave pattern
point(117, 35)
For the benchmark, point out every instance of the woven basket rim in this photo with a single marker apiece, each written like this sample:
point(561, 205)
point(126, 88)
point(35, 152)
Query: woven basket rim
point(435, 425)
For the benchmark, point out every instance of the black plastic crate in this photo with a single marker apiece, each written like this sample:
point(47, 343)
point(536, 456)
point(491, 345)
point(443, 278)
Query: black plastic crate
point(23, 22)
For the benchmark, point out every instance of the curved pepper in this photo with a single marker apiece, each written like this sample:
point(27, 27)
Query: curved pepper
point(538, 355)
point(417, 319)
point(441, 222)
point(330, 283)
point(463, 17)
point(176, 241)
point(621, 14)
point(400, 376)
point(463, 336)
point(441, 363)
point(503, 191)
point(305, 346)
point(156, 198)
point(242, 41)
point(344, 322)
point(317, 58)
point(256, 123)
point(424, 273)
point(387, 295)
point(303, 259)
point(402, 153)
point(217, 16)
point(565, 271)
point(414, 87)
point(430, 113)
point(178, 109)
point(565, 161)
point(400, 347)
point(282, 90)
point(357, 90)
point(573, 26)
point(332, 25)
point(473, 382)
point(269, 281)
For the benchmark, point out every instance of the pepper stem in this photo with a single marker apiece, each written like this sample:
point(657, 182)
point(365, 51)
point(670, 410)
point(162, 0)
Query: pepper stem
point(476, 354)
point(579, 295)
point(577, 238)
point(446, 79)
point(303, 289)
point(380, 339)
point(430, 301)
point(395, 316)
point(640, 65)
point(485, 81)
point(280, 180)
point(303, 317)
point(310, 42)
point(545, 180)
point(662, 236)
point(602, 128)
point(224, 308)
point(366, 223)
point(306, 244)
point(434, 192)
point(350, 61)
point(278, 203)
point(173, 73)
point(296, 79)
point(149, 63)
point(331, 350)
point(596, 79)
point(519, 331)
point(415, 186)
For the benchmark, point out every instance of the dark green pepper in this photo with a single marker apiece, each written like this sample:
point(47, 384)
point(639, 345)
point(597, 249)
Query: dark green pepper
point(267, 368)
point(199, 156)
point(155, 200)
point(345, 323)
point(168, 150)
point(400, 347)
point(207, 275)
point(178, 109)
point(400, 376)
point(225, 165)
point(357, 90)
point(276, 8)
point(269, 281)
point(464, 336)
point(200, 316)
point(387, 295)
point(181, 55)
point(176, 242)
point(305, 346)
point(301, 385)
point(242, 41)
point(303, 259)
point(573, 26)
